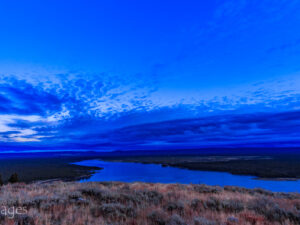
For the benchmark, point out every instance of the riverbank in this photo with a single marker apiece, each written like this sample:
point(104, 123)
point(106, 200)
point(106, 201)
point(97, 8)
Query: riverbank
point(31, 168)
point(154, 173)
point(268, 166)
point(144, 203)
point(272, 164)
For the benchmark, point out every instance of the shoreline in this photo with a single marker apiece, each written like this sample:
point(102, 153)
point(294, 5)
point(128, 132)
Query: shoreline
point(283, 167)
point(43, 169)
point(204, 166)
point(116, 170)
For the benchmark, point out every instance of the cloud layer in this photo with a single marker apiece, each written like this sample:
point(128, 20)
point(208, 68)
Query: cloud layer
point(107, 114)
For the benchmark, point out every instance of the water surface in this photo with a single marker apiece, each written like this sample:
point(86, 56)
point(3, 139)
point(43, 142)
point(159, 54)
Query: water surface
point(130, 172)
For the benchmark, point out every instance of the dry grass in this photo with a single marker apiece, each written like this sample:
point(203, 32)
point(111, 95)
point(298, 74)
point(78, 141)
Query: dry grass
point(146, 203)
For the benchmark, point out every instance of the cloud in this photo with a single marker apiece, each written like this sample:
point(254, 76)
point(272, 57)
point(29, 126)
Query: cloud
point(222, 130)
point(95, 113)
point(21, 98)
point(45, 108)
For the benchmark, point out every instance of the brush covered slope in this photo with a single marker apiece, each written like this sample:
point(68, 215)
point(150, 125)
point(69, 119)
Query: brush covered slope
point(144, 203)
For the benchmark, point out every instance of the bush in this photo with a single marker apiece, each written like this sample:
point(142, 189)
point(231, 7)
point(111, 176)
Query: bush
point(295, 217)
point(75, 196)
point(35, 202)
point(202, 188)
point(176, 220)
point(275, 213)
point(157, 218)
point(24, 220)
point(263, 192)
point(203, 221)
point(195, 203)
point(212, 204)
point(290, 196)
point(171, 206)
point(269, 209)
point(232, 219)
point(236, 189)
point(150, 196)
point(115, 211)
point(232, 205)
point(13, 178)
point(134, 197)
point(102, 196)
point(1, 181)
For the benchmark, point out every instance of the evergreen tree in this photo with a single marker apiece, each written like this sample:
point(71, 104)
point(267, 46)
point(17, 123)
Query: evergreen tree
point(13, 178)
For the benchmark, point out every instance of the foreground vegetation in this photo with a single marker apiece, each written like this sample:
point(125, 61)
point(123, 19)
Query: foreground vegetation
point(144, 203)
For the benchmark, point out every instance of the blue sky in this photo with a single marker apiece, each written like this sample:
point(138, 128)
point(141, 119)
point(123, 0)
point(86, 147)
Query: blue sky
point(154, 74)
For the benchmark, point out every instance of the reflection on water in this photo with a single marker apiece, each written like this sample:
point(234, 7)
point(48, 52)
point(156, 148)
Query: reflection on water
point(130, 172)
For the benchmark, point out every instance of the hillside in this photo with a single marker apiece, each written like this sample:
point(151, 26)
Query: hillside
point(144, 203)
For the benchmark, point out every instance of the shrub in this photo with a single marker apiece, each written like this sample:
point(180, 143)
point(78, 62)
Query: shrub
point(269, 209)
point(1, 181)
point(232, 205)
point(47, 206)
point(160, 204)
point(171, 206)
point(171, 196)
point(13, 178)
point(212, 204)
point(297, 205)
point(136, 197)
point(92, 192)
point(176, 220)
point(2, 218)
point(263, 192)
point(290, 196)
point(107, 183)
point(259, 205)
point(151, 196)
point(102, 196)
point(253, 218)
point(295, 217)
point(75, 196)
point(24, 220)
point(115, 211)
point(195, 203)
point(203, 221)
point(130, 198)
point(157, 218)
point(232, 219)
point(236, 189)
point(35, 202)
point(202, 188)
point(275, 213)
